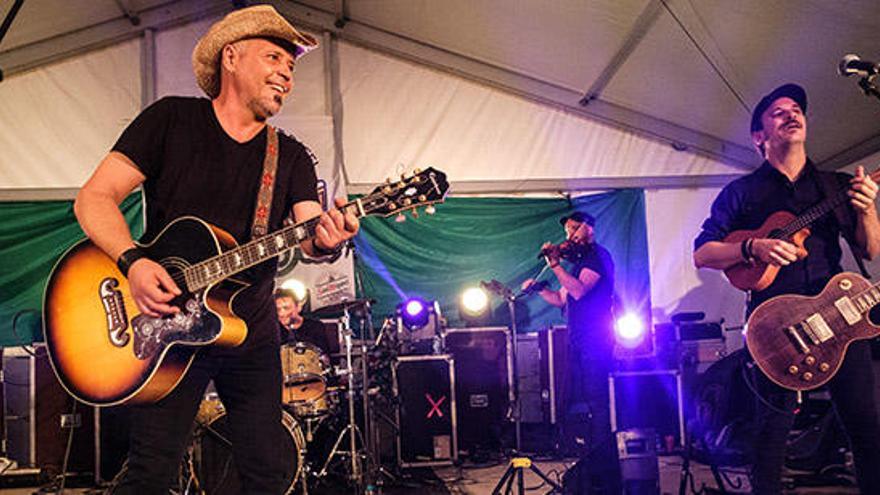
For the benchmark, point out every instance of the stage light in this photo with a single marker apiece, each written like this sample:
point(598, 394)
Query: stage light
point(630, 330)
point(297, 287)
point(414, 313)
point(474, 301)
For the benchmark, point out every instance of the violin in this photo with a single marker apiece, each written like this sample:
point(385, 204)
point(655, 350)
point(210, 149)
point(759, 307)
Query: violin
point(567, 250)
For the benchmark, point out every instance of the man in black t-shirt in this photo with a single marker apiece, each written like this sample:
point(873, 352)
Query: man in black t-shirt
point(294, 327)
point(788, 181)
point(585, 272)
point(205, 158)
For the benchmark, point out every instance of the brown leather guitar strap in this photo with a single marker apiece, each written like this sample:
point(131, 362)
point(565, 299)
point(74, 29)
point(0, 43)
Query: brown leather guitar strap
point(263, 209)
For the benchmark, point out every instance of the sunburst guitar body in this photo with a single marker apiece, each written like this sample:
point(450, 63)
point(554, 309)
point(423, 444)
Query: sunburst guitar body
point(105, 352)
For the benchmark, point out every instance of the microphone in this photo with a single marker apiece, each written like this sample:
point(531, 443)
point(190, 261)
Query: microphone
point(852, 64)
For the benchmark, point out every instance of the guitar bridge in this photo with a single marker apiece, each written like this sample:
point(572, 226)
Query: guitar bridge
point(114, 310)
point(793, 333)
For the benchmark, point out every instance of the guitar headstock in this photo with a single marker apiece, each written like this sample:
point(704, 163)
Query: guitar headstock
point(422, 188)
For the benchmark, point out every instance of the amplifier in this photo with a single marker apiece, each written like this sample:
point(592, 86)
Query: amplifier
point(39, 416)
point(648, 400)
point(483, 374)
point(639, 470)
point(425, 391)
point(532, 396)
point(553, 343)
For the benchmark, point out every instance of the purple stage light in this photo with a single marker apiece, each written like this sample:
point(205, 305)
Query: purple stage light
point(630, 330)
point(414, 312)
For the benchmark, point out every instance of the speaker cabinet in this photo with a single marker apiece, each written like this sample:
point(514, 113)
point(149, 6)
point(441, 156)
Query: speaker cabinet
point(648, 400)
point(553, 343)
point(40, 416)
point(425, 391)
point(483, 374)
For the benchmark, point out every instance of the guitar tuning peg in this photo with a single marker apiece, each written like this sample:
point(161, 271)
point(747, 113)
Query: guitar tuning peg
point(430, 210)
point(417, 171)
point(400, 218)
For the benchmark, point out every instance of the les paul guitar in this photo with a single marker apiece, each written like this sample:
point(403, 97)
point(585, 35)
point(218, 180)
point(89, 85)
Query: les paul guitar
point(799, 342)
point(780, 225)
point(105, 352)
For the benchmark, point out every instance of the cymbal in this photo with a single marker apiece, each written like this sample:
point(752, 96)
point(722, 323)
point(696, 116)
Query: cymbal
point(332, 310)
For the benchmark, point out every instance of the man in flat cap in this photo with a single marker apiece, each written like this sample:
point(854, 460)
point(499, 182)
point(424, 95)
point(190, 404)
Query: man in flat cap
point(218, 160)
point(585, 273)
point(788, 181)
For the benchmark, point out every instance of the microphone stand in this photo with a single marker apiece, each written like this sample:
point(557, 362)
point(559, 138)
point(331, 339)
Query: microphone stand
point(518, 463)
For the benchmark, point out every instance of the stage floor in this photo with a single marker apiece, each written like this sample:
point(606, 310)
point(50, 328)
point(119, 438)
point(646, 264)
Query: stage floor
point(470, 480)
point(480, 481)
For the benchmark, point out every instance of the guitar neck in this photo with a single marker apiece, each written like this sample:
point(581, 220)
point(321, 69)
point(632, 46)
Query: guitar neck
point(222, 266)
point(423, 188)
point(867, 299)
point(817, 211)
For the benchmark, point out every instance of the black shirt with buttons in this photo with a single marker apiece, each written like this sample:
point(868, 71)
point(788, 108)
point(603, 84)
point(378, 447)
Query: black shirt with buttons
point(747, 202)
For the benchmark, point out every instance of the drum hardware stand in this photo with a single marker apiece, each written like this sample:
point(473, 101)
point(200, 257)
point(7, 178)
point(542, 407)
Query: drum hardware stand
point(518, 464)
point(356, 475)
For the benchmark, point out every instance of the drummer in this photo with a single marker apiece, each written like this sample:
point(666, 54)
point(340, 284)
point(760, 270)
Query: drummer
point(294, 327)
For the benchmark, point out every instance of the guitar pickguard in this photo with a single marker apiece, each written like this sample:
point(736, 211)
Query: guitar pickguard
point(194, 324)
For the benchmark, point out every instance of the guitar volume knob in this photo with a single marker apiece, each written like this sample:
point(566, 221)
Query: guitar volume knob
point(810, 360)
point(808, 376)
point(824, 367)
point(793, 370)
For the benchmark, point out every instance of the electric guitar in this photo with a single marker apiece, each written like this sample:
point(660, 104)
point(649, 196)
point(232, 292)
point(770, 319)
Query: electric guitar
point(780, 225)
point(105, 352)
point(799, 342)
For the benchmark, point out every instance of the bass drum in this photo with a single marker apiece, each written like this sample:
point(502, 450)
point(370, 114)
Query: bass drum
point(215, 470)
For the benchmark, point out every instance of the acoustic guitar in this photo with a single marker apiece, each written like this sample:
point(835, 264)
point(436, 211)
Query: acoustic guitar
point(799, 342)
point(105, 352)
point(784, 225)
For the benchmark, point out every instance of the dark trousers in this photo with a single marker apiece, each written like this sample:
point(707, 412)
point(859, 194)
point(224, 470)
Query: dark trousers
point(588, 413)
point(852, 391)
point(248, 382)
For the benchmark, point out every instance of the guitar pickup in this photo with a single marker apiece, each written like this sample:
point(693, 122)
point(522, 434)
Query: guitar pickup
point(848, 310)
point(817, 329)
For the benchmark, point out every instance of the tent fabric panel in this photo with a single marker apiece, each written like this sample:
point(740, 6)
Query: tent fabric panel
point(399, 114)
point(57, 122)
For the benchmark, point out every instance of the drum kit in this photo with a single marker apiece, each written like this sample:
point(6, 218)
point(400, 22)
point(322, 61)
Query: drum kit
point(328, 429)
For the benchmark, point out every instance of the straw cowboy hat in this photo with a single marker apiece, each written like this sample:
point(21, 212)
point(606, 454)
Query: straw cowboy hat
point(260, 21)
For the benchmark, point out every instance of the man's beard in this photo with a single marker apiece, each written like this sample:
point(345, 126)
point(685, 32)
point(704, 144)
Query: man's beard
point(262, 110)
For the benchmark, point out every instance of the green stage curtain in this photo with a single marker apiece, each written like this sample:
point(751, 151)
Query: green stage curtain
point(470, 240)
point(33, 235)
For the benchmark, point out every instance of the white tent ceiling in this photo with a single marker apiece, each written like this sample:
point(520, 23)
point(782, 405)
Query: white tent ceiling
point(685, 72)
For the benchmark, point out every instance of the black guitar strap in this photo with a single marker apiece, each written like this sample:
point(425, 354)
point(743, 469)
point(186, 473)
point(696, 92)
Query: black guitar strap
point(263, 209)
point(845, 218)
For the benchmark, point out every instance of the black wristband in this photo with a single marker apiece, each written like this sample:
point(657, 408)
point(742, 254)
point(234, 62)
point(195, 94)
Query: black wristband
point(744, 250)
point(128, 257)
point(319, 251)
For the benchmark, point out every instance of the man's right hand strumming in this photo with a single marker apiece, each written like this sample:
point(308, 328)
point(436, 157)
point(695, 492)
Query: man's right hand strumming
point(152, 288)
point(775, 251)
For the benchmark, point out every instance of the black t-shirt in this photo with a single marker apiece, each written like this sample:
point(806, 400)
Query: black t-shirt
point(745, 204)
point(590, 316)
point(193, 167)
